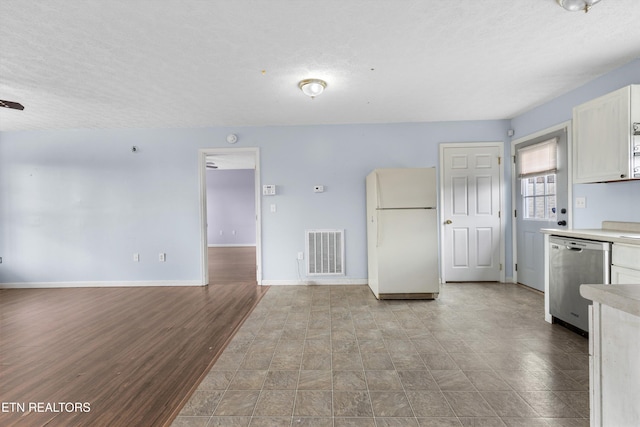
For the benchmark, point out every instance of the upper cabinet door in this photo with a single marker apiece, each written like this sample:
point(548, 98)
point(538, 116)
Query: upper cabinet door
point(603, 137)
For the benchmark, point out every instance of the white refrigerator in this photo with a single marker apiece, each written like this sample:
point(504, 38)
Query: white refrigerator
point(402, 233)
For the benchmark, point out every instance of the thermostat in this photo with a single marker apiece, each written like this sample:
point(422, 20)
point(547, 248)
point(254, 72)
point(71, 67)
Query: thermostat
point(269, 190)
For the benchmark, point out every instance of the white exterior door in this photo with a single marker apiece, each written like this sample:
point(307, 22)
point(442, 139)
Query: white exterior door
point(471, 213)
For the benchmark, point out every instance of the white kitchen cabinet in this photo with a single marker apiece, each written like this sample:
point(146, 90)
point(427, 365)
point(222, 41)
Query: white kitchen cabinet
point(625, 264)
point(603, 137)
point(614, 371)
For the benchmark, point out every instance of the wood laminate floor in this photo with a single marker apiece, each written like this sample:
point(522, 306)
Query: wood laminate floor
point(130, 356)
point(229, 265)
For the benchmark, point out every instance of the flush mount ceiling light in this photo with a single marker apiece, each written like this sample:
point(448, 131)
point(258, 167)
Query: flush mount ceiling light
point(575, 5)
point(312, 87)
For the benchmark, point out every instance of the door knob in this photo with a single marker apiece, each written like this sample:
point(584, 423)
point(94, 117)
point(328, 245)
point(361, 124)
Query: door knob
point(448, 221)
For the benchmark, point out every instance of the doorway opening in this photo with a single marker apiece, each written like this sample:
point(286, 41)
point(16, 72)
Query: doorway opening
point(230, 215)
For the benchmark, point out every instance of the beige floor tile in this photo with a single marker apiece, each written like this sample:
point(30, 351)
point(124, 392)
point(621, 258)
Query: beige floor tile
point(349, 380)
point(237, 402)
point(390, 404)
point(428, 403)
point(468, 404)
point(334, 356)
point(352, 404)
point(383, 380)
point(201, 403)
point(315, 380)
point(277, 403)
point(313, 403)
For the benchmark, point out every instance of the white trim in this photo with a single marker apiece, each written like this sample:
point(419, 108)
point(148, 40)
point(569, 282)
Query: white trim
point(315, 282)
point(503, 222)
point(110, 284)
point(514, 235)
point(202, 182)
point(232, 245)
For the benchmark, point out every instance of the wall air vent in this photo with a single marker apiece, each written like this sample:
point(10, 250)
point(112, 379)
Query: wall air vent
point(325, 252)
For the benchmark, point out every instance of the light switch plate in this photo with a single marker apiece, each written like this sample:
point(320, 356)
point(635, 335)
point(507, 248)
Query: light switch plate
point(581, 202)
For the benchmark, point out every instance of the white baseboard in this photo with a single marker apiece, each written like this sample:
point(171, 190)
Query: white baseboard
point(315, 282)
point(116, 284)
point(232, 245)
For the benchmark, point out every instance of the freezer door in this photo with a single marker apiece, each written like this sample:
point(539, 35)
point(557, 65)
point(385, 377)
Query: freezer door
point(405, 188)
point(407, 251)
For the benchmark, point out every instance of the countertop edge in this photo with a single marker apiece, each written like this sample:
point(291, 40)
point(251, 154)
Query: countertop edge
point(613, 236)
point(622, 297)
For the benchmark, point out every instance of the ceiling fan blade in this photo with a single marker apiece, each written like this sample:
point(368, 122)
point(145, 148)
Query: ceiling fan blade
point(11, 104)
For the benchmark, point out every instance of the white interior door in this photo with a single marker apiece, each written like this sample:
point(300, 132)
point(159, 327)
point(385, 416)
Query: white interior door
point(471, 213)
point(541, 201)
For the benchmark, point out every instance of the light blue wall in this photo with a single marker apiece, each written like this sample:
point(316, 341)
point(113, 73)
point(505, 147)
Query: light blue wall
point(231, 207)
point(612, 201)
point(75, 205)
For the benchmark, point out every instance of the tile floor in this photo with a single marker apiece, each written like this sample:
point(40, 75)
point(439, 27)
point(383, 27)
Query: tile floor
point(480, 355)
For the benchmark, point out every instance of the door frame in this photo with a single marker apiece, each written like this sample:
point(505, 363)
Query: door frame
point(514, 179)
point(441, 229)
point(202, 182)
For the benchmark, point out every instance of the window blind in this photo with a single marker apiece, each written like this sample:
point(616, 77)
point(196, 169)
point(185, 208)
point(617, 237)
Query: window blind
point(538, 159)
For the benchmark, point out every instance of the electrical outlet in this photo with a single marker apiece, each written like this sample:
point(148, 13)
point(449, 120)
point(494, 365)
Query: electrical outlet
point(581, 202)
point(162, 257)
point(300, 255)
point(136, 257)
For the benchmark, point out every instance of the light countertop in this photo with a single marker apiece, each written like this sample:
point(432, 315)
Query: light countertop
point(622, 297)
point(611, 231)
point(614, 236)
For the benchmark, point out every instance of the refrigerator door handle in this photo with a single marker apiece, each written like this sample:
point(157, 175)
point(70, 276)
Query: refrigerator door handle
point(378, 227)
point(378, 193)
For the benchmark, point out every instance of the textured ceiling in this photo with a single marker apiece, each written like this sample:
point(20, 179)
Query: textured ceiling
point(193, 63)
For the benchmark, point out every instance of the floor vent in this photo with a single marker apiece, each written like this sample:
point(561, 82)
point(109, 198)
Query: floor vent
point(325, 252)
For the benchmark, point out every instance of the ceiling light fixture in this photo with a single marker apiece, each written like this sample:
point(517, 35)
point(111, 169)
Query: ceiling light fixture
point(312, 87)
point(575, 5)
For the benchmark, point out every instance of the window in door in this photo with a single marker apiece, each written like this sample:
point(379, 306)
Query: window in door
point(537, 172)
point(539, 197)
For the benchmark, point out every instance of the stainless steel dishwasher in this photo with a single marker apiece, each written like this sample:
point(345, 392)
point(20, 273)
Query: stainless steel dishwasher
point(574, 262)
